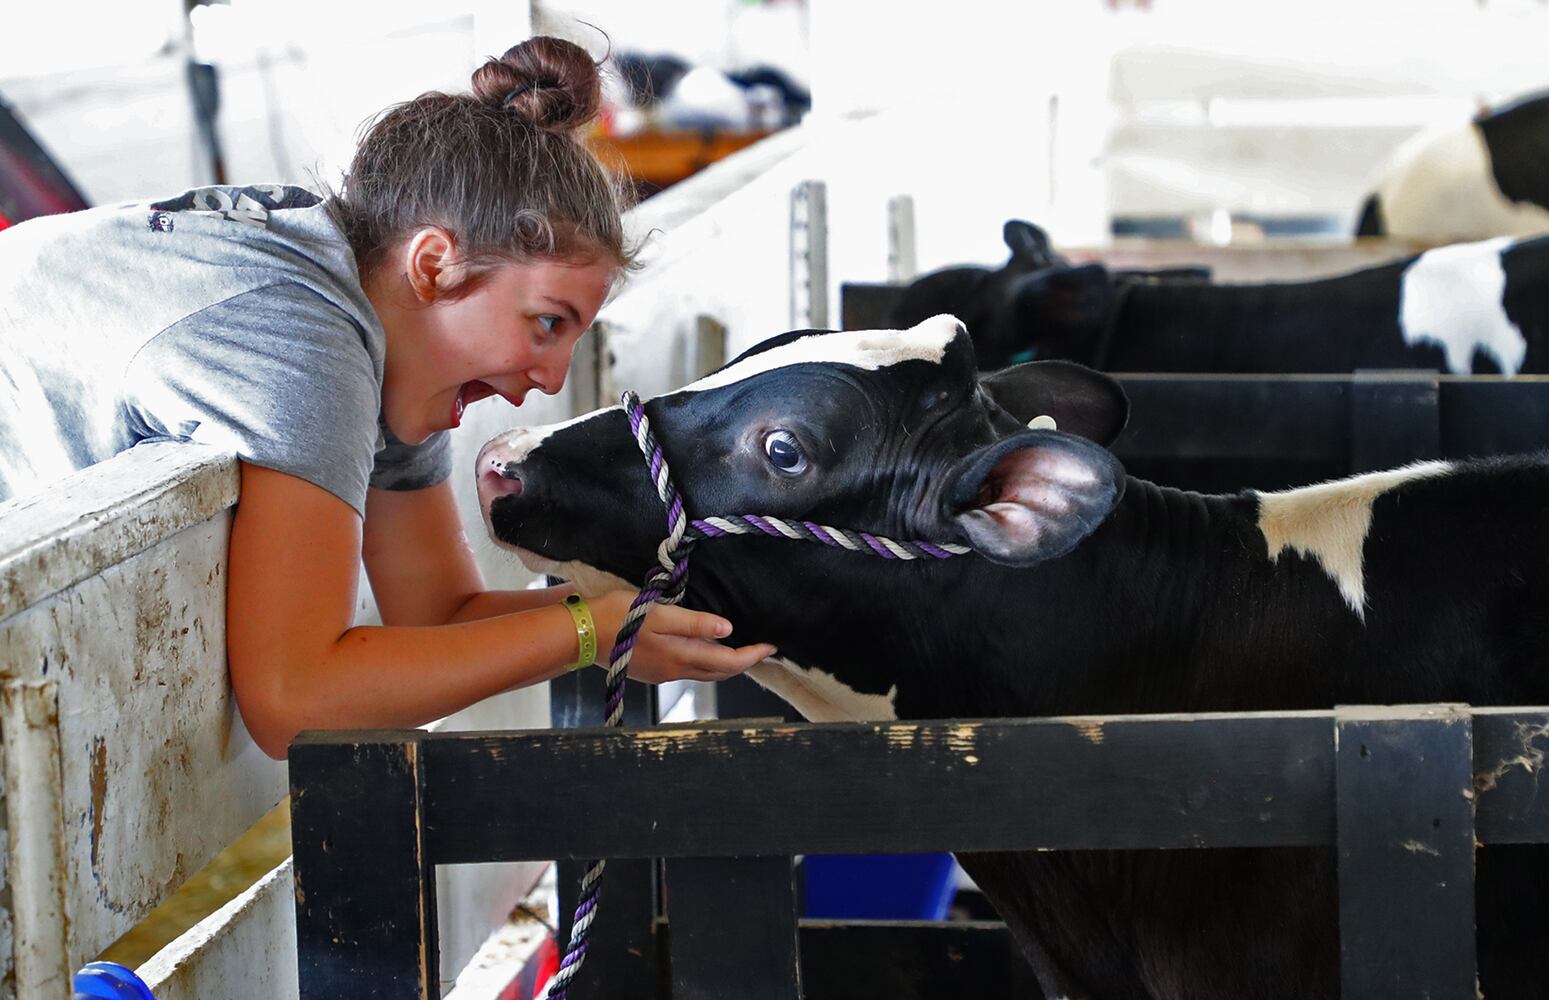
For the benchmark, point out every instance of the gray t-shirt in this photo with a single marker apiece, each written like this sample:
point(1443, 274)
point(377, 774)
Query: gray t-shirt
point(227, 316)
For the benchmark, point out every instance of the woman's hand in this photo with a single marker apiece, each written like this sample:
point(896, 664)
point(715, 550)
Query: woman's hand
point(675, 644)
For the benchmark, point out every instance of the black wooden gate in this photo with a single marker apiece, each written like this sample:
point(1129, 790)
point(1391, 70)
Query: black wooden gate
point(1403, 793)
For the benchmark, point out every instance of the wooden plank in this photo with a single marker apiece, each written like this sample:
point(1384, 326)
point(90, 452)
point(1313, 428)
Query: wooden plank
point(1511, 746)
point(1405, 806)
point(100, 516)
point(623, 956)
point(156, 773)
point(365, 888)
point(1298, 417)
point(907, 960)
point(473, 900)
point(1494, 415)
point(239, 952)
point(36, 863)
point(733, 926)
point(1142, 781)
point(1395, 419)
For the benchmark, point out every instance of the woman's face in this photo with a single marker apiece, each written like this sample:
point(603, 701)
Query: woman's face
point(514, 333)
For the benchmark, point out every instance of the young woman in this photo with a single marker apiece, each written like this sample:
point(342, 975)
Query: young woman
point(331, 344)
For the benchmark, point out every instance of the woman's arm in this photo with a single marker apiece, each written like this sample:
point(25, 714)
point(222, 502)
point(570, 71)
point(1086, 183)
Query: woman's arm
point(421, 567)
point(296, 662)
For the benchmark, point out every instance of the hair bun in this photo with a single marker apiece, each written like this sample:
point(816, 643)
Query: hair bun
point(550, 82)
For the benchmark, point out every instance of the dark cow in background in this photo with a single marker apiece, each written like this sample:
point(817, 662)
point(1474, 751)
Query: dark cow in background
point(977, 295)
point(1471, 181)
point(1087, 592)
point(1472, 307)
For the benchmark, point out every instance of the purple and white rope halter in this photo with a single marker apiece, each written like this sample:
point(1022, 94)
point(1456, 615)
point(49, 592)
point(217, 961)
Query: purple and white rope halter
point(664, 584)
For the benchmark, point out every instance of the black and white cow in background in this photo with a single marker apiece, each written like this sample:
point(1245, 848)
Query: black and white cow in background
point(1089, 593)
point(1471, 307)
point(1455, 183)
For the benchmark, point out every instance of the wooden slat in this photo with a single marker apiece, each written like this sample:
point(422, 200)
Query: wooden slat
point(1404, 791)
point(473, 900)
point(1159, 781)
point(155, 773)
point(100, 516)
point(733, 926)
point(241, 951)
point(1395, 419)
point(905, 960)
point(1511, 747)
point(365, 888)
point(623, 956)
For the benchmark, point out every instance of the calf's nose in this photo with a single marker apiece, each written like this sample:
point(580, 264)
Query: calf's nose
point(496, 467)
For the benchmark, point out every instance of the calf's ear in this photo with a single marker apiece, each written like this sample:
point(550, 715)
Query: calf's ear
point(1080, 400)
point(1032, 496)
point(1029, 244)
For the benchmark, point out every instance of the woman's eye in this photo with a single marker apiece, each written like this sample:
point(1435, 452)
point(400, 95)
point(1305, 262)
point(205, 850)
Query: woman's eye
point(548, 323)
point(784, 453)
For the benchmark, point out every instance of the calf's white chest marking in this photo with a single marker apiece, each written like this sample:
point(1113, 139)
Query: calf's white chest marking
point(1328, 522)
point(820, 696)
point(1452, 297)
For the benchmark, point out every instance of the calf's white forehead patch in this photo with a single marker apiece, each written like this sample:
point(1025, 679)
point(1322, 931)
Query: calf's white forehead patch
point(820, 696)
point(517, 443)
point(1329, 522)
point(1453, 297)
point(868, 350)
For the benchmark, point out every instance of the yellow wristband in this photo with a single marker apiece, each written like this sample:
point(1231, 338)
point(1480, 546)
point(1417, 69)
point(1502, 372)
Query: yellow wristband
point(585, 631)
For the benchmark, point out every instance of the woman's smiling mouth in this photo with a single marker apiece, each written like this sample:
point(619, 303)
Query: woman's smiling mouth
point(471, 392)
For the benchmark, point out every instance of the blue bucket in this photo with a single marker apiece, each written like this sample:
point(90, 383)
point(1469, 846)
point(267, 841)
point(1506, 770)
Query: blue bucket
point(109, 981)
point(879, 886)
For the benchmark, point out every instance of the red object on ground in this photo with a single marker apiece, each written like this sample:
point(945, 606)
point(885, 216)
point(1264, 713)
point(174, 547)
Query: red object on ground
point(535, 975)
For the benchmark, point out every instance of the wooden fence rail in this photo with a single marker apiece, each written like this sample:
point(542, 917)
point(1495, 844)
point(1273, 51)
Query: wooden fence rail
point(375, 812)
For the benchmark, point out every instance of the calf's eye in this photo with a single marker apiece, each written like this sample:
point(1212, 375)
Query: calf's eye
point(784, 452)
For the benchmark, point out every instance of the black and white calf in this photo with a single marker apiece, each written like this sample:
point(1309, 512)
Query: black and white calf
point(1087, 592)
point(1468, 181)
point(1474, 307)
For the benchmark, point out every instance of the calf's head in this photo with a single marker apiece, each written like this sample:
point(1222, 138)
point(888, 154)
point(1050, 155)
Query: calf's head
point(890, 432)
point(1038, 305)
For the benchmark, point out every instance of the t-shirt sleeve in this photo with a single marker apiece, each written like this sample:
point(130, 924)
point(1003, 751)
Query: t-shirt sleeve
point(279, 375)
point(402, 466)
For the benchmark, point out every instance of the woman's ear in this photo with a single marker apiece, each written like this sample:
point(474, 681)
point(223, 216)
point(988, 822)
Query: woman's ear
point(431, 264)
point(1031, 497)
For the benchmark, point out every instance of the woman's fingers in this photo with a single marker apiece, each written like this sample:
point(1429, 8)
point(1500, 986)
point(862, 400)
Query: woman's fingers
point(670, 658)
point(680, 644)
point(670, 619)
point(709, 660)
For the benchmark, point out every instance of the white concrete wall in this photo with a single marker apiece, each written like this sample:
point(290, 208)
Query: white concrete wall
point(1190, 107)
